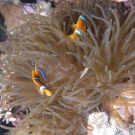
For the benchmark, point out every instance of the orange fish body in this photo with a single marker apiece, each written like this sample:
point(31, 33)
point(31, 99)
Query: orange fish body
point(41, 87)
point(80, 25)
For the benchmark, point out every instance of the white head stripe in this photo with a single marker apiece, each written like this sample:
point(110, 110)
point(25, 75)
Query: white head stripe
point(42, 87)
point(78, 32)
point(83, 18)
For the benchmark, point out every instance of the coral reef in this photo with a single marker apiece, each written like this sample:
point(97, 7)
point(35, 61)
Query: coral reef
point(129, 4)
point(106, 50)
point(44, 6)
point(16, 2)
point(103, 124)
point(41, 7)
point(3, 1)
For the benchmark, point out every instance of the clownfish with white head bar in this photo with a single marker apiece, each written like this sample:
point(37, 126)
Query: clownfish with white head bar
point(40, 86)
point(80, 25)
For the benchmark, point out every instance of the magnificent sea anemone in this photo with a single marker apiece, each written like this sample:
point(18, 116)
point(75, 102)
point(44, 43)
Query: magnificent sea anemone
point(106, 50)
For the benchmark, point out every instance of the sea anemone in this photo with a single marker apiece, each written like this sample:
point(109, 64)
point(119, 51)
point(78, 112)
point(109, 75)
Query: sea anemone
point(106, 51)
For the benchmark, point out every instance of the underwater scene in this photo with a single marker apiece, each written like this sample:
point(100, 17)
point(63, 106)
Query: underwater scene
point(67, 67)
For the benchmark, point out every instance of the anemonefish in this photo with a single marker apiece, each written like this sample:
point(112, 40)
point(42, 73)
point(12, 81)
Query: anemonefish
point(40, 86)
point(80, 25)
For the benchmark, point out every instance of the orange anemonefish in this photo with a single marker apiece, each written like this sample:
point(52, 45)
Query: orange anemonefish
point(81, 25)
point(41, 87)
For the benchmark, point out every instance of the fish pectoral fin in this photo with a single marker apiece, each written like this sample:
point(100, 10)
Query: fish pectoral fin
point(40, 92)
point(33, 74)
point(73, 26)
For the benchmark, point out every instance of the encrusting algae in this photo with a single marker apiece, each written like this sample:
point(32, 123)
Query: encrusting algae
point(105, 51)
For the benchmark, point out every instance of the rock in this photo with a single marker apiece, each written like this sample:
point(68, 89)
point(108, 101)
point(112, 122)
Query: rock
point(11, 13)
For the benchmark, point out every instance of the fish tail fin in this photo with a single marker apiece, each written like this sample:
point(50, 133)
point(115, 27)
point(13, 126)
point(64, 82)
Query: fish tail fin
point(34, 64)
point(42, 73)
point(71, 36)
